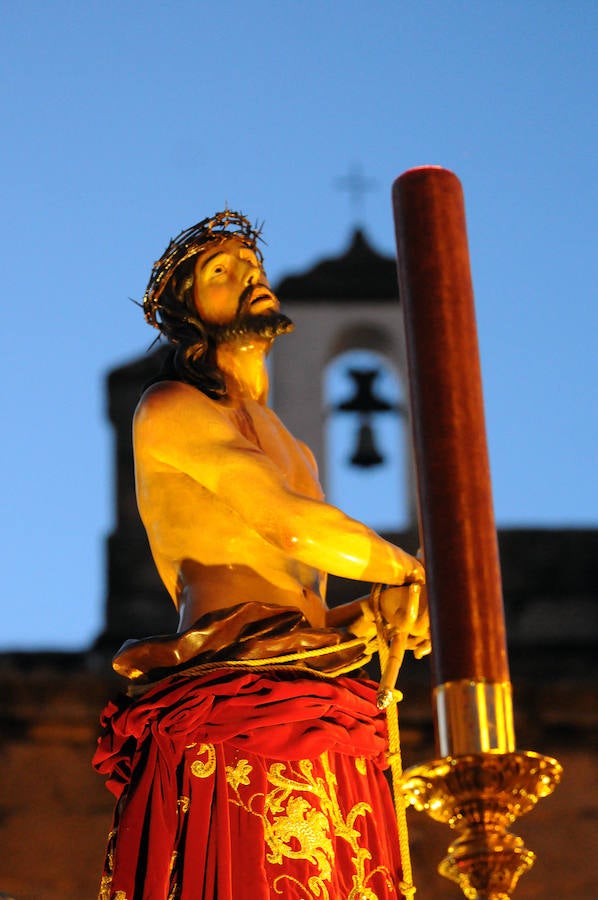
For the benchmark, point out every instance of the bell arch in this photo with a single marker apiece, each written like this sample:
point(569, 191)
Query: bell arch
point(365, 438)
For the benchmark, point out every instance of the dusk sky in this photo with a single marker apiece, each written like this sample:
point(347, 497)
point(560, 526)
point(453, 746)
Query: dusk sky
point(124, 123)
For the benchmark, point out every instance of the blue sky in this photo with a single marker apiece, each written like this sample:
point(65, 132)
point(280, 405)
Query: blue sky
point(125, 122)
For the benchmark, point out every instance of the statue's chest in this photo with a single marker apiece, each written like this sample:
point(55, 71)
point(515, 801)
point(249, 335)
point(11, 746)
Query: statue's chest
point(264, 429)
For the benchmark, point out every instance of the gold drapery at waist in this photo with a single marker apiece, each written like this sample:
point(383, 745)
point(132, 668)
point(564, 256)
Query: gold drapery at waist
point(249, 633)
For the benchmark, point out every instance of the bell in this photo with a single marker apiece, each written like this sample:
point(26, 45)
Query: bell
point(366, 454)
point(364, 400)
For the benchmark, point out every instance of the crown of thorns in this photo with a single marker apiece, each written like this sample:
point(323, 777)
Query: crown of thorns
point(217, 228)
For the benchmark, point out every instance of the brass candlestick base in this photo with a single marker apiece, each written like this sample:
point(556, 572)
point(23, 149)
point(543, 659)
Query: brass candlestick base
point(480, 795)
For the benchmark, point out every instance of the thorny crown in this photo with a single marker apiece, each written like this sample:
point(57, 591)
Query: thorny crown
point(214, 229)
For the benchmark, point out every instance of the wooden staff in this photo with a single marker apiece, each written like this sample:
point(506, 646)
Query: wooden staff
point(472, 690)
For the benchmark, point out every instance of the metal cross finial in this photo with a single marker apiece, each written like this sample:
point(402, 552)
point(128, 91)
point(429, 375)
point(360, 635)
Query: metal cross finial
point(357, 184)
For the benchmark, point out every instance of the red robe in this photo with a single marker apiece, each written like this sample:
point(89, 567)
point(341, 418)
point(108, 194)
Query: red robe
point(249, 785)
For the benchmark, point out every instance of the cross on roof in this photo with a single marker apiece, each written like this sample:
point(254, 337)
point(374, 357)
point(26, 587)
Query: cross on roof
point(357, 184)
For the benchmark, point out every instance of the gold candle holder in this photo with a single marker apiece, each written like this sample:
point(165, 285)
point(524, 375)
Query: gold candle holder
point(480, 795)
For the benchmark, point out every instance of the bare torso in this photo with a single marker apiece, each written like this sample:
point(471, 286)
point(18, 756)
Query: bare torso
point(209, 554)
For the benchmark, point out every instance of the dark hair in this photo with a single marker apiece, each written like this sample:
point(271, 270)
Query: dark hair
point(191, 358)
point(169, 304)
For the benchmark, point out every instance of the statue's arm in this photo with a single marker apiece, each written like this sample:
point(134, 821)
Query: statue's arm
point(403, 608)
point(180, 428)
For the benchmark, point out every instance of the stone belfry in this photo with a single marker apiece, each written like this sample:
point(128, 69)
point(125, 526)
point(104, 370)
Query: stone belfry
point(340, 305)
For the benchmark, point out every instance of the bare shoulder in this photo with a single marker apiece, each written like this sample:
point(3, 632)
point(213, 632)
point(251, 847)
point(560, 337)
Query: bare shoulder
point(169, 400)
point(168, 394)
point(173, 410)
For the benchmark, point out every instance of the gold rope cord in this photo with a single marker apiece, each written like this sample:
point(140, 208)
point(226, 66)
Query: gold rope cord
point(287, 662)
point(297, 656)
point(394, 748)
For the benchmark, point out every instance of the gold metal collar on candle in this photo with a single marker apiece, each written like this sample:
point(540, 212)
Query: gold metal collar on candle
point(474, 717)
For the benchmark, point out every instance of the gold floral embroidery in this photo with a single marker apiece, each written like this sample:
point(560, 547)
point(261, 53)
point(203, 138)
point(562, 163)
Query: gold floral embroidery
point(106, 882)
point(105, 890)
point(110, 850)
point(360, 765)
point(239, 774)
point(304, 826)
point(294, 829)
point(314, 888)
point(183, 804)
point(201, 768)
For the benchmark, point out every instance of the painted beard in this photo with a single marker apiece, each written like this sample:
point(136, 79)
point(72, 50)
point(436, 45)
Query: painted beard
point(267, 325)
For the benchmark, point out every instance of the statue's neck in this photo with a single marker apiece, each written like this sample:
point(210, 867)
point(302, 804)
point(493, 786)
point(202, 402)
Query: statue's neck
point(242, 362)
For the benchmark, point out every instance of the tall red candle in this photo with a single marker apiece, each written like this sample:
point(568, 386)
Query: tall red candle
point(456, 511)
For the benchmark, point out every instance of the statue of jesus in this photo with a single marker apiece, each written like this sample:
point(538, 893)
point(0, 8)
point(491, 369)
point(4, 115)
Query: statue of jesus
point(246, 761)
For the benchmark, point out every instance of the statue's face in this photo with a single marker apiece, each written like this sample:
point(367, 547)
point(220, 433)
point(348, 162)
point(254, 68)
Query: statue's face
point(229, 281)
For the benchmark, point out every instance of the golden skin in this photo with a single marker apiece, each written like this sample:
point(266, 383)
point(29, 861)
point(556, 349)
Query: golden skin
point(231, 500)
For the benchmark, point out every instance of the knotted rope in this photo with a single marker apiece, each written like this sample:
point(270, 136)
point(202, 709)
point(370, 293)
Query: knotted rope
point(388, 698)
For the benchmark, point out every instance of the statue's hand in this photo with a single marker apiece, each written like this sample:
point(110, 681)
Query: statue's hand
point(410, 570)
point(405, 612)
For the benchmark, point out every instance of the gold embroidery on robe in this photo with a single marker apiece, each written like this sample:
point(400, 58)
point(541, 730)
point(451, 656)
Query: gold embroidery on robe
point(360, 765)
point(105, 887)
point(314, 888)
point(106, 882)
point(174, 888)
point(294, 829)
point(110, 850)
point(105, 890)
point(238, 774)
point(204, 768)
